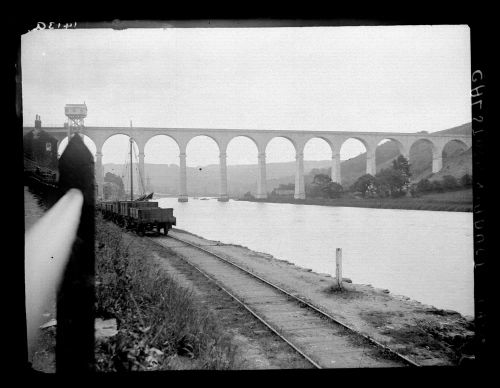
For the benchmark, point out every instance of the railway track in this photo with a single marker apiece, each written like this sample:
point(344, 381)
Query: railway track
point(314, 334)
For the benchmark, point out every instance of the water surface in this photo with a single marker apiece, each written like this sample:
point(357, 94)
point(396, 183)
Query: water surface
point(425, 255)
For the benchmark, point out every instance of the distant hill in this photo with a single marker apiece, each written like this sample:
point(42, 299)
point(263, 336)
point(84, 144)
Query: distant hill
point(243, 178)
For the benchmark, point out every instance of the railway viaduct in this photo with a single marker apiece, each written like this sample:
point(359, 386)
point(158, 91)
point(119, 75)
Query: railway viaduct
point(261, 138)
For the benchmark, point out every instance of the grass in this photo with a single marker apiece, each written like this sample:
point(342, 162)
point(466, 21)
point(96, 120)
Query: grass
point(160, 324)
point(459, 200)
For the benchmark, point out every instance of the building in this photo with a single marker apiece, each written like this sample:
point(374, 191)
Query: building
point(39, 147)
point(284, 190)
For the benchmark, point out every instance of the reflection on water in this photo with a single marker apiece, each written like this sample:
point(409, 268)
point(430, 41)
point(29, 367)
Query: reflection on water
point(425, 255)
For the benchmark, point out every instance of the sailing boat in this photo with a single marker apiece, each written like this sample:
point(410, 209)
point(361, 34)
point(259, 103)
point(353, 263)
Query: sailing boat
point(144, 196)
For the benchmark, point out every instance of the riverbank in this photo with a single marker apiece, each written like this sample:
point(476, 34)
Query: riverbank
point(427, 335)
point(456, 201)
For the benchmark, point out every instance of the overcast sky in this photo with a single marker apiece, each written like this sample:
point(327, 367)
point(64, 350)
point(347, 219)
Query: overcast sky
point(396, 79)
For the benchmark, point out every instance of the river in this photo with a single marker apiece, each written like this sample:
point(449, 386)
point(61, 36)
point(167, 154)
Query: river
point(424, 255)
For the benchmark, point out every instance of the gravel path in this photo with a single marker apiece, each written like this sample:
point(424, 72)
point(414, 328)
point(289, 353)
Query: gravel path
point(426, 335)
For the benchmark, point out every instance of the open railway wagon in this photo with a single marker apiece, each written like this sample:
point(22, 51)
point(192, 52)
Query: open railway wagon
point(123, 218)
point(109, 210)
point(151, 219)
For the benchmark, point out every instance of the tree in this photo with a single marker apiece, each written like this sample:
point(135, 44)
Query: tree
point(436, 186)
point(466, 180)
point(322, 186)
point(321, 179)
point(396, 180)
point(111, 191)
point(364, 184)
point(402, 165)
point(390, 182)
point(332, 190)
point(449, 182)
point(117, 181)
point(413, 190)
point(424, 185)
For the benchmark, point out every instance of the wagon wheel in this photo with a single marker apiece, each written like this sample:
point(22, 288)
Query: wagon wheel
point(165, 229)
point(157, 227)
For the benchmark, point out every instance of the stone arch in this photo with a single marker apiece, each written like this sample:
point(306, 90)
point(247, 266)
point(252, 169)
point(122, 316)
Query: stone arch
point(365, 143)
point(250, 149)
point(87, 140)
point(161, 149)
point(325, 152)
point(214, 138)
point(147, 142)
point(106, 137)
point(198, 178)
point(428, 157)
point(245, 136)
point(282, 137)
point(122, 159)
point(381, 158)
point(321, 138)
point(368, 157)
point(453, 143)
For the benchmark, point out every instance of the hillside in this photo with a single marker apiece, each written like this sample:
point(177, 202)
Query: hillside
point(243, 178)
point(456, 161)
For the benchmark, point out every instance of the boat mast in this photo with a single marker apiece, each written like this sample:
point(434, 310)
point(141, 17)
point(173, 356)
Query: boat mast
point(131, 173)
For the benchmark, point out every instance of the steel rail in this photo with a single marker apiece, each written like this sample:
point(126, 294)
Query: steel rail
point(296, 298)
point(219, 284)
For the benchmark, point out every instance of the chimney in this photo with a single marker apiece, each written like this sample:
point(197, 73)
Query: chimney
point(38, 122)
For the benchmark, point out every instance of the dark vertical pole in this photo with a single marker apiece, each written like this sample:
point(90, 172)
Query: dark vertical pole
point(131, 174)
point(75, 298)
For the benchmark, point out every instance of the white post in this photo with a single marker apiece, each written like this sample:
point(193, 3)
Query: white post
point(338, 267)
point(223, 197)
point(261, 182)
point(182, 178)
point(300, 192)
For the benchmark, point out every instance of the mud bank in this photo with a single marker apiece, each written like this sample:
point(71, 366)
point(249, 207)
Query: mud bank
point(423, 333)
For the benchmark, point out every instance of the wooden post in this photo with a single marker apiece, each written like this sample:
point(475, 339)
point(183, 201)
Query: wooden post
point(338, 267)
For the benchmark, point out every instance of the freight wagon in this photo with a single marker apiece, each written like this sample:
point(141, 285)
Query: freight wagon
point(152, 219)
point(124, 218)
point(141, 216)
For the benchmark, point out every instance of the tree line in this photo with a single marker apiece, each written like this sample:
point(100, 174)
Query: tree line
point(393, 182)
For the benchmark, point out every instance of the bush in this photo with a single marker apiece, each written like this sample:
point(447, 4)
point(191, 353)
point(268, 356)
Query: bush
point(158, 320)
point(413, 189)
point(437, 186)
point(364, 184)
point(332, 190)
point(248, 195)
point(449, 182)
point(466, 180)
point(424, 186)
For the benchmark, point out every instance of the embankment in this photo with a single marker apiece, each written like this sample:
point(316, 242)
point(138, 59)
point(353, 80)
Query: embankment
point(160, 325)
point(458, 201)
point(427, 335)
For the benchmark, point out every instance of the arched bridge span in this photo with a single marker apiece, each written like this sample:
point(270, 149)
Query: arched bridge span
point(261, 138)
